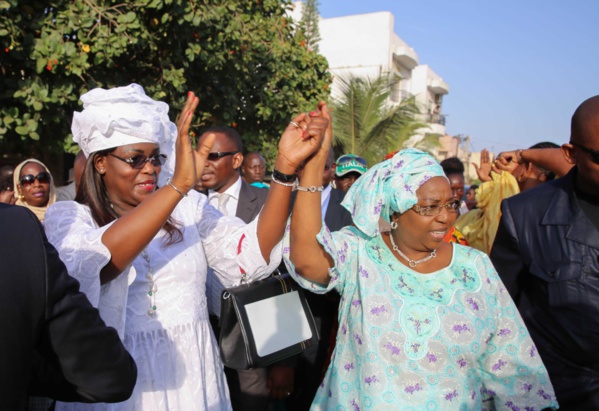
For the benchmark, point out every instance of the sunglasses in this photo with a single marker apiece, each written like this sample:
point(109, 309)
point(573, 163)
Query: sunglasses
point(28, 179)
point(220, 154)
point(432, 210)
point(594, 153)
point(140, 160)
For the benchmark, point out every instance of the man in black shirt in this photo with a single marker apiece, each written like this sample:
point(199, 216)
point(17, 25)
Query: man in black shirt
point(547, 254)
point(53, 343)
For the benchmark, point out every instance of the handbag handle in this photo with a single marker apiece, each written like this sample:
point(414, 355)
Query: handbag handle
point(276, 273)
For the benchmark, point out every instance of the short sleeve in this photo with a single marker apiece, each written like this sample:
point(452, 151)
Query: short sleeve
point(341, 245)
point(71, 229)
point(513, 373)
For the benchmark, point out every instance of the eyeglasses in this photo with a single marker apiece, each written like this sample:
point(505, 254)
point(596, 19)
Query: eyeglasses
point(349, 159)
point(594, 154)
point(432, 210)
point(220, 154)
point(28, 179)
point(140, 160)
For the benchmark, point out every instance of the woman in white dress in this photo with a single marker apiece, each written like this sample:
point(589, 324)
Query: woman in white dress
point(141, 249)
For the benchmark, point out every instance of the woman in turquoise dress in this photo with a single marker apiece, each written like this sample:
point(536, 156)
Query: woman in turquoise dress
point(423, 324)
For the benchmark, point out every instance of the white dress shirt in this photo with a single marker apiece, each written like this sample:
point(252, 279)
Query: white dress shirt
point(231, 203)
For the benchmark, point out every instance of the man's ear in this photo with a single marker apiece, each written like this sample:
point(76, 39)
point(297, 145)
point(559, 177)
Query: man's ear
point(569, 153)
point(237, 160)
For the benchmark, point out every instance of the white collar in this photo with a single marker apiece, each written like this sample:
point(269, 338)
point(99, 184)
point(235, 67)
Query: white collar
point(232, 191)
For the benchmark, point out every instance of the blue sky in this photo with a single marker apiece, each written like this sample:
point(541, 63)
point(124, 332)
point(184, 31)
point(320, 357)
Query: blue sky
point(517, 70)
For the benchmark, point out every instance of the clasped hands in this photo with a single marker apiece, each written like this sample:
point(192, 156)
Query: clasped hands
point(302, 138)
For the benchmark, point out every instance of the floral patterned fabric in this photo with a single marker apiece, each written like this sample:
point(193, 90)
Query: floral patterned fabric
point(388, 187)
point(448, 340)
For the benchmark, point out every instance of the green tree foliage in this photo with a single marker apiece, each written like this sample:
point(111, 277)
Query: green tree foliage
point(367, 124)
point(244, 58)
point(309, 23)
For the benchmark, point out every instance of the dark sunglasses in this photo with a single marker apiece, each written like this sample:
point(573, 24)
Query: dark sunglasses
point(220, 154)
point(140, 160)
point(28, 179)
point(594, 153)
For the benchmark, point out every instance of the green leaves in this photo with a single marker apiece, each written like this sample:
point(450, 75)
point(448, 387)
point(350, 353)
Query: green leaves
point(364, 121)
point(244, 58)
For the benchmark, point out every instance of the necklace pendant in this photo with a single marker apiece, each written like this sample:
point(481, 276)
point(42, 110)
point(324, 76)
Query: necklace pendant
point(411, 263)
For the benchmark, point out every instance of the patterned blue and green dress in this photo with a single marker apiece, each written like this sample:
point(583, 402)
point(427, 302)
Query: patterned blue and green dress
point(449, 340)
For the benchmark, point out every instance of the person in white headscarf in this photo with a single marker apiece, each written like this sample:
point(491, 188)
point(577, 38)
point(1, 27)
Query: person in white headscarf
point(423, 324)
point(140, 248)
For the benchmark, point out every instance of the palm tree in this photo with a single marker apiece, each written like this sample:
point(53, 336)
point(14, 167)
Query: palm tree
point(367, 124)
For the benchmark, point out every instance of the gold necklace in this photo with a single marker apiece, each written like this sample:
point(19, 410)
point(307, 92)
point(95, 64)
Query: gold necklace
point(411, 263)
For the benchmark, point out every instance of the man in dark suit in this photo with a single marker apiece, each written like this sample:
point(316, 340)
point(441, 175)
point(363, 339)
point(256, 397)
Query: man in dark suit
point(547, 254)
point(229, 193)
point(311, 363)
point(53, 342)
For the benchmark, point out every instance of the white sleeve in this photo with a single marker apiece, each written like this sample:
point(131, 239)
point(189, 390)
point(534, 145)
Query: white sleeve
point(71, 229)
point(232, 247)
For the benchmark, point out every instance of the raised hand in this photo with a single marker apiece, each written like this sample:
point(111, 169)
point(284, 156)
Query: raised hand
point(302, 138)
point(189, 163)
point(328, 136)
point(509, 156)
point(484, 169)
point(506, 161)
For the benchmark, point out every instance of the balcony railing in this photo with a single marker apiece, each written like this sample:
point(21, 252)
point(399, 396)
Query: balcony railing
point(435, 118)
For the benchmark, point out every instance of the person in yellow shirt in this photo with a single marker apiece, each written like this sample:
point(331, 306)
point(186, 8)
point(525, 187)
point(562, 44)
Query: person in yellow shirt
point(511, 173)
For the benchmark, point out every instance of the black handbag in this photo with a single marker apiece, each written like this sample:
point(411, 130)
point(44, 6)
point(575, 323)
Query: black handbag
point(264, 322)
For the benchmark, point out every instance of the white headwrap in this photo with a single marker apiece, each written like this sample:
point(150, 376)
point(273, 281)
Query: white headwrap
point(388, 187)
point(120, 116)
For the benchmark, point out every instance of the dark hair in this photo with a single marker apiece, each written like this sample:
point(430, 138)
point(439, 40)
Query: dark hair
point(256, 153)
point(452, 165)
point(92, 192)
point(231, 134)
point(545, 144)
point(473, 187)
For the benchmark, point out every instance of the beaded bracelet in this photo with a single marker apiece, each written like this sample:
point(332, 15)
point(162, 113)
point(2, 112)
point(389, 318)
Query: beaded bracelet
point(168, 181)
point(312, 189)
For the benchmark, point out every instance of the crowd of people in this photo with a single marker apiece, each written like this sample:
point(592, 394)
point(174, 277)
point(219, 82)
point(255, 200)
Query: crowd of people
point(427, 294)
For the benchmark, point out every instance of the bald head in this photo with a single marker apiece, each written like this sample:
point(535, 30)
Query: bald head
point(253, 168)
point(585, 123)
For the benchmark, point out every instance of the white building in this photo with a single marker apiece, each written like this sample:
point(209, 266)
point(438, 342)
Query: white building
point(366, 45)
